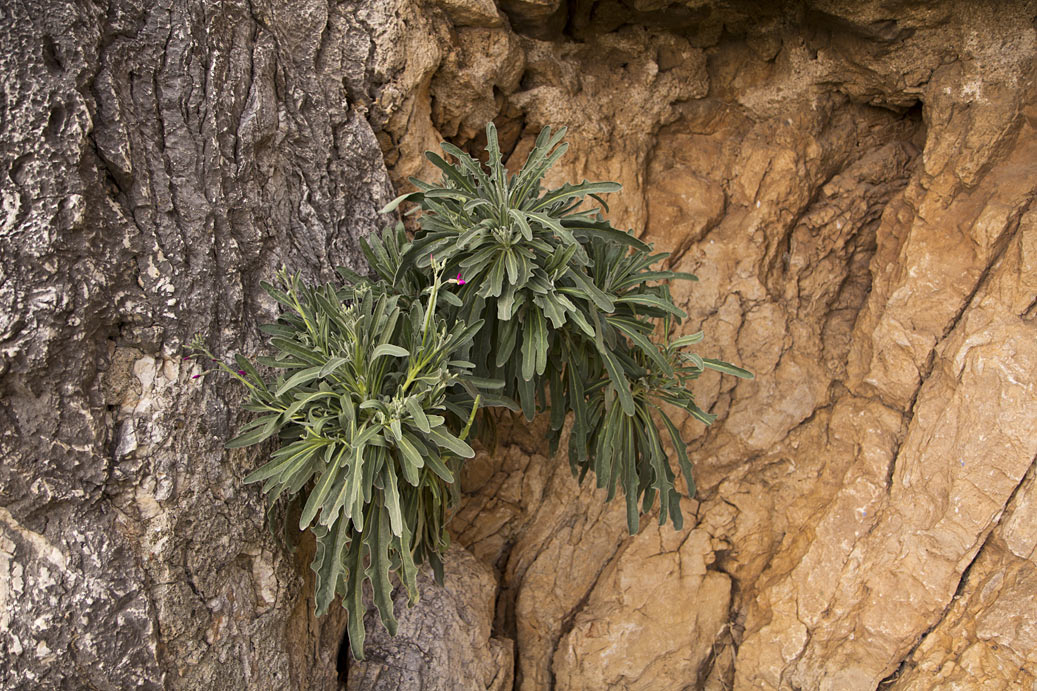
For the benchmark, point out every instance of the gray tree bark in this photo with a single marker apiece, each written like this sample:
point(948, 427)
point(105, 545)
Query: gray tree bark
point(158, 160)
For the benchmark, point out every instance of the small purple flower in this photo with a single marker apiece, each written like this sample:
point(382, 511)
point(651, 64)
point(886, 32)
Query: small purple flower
point(241, 372)
point(460, 281)
point(196, 376)
point(188, 357)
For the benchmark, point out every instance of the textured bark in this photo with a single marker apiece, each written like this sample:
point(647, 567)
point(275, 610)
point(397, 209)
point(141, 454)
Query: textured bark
point(158, 160)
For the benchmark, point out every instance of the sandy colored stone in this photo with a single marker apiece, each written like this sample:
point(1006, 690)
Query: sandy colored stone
point(851, 186)
point(472, 12)
point(988, 636)
point(479, 64)
point(651, 619)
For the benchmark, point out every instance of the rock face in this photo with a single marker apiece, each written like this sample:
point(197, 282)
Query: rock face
point(853, 182)
point(443, 644)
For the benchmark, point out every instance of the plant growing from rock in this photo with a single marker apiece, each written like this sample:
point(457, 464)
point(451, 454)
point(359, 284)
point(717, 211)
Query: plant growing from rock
point(568, 312)
point(381, 379)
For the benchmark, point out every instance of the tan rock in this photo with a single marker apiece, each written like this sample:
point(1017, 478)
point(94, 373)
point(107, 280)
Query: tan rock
point(479, 64)
point(988, 636)
point(651, 619)
point(472, 12)
point(854, 188)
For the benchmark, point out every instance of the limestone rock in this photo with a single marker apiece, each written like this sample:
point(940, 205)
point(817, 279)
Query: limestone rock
point(444, 643)
point(988, 635)
point(853, 186)
point(472, 12)
point(651, 619)
point(852, 182)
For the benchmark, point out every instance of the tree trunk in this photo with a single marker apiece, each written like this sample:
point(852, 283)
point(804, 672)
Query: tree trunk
point(159, 160)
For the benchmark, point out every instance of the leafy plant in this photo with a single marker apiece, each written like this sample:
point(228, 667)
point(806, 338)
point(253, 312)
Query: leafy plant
point(361, 413)
point(570, 307)
point(381, 379)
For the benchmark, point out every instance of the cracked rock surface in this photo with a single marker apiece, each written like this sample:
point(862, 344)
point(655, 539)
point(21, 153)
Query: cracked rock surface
point(853, 183)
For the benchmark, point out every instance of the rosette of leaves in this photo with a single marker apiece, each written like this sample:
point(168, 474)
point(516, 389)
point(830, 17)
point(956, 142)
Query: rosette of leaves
point(360, 408)
point(569, 305)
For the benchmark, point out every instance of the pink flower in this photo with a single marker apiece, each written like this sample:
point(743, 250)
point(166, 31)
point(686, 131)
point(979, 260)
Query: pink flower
point(241, 372)
point(460, 281)
point(196, 376)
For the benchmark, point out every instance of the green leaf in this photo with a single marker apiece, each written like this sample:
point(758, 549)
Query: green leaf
point(412, 459)
point(377, 572)
point(451, 171)
point(727, 368)
point(332, 365)
point(298, 379)
point(344, 502)
point(353, 599)
point(529, 347)
point(449, 441)
point(391, 206)
point(615, 371)
point(282, 465)
point(604, 231)
point(506, 343)
point(420, 421)
point(646, 346)
point(392, 500)
point(540, 339)
point(407, 565)
point(522, 223)
point(436, 465)
point(259, 433)
point(495, 279)
point(681, 449)
point(568, 191)
point(389, 349)
point(328, 563)
point(645, 276)
point(299, 351)
point(600, 299)
point(630, 480)
point(321, 489)
point(688, 340)
point(652, 301)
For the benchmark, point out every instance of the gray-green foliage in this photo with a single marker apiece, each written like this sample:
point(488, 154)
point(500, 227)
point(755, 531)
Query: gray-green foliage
point(570, 305)
point(361, 408)
point(381, 379)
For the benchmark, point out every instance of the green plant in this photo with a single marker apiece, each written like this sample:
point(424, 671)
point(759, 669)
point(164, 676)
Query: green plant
point(568, 308)
point(361, 414)
point(552, 309)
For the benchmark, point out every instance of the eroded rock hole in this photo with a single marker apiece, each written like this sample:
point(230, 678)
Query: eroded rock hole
point(51, 58)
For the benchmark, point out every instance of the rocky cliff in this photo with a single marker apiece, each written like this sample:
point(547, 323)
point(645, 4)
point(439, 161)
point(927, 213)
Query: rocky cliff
point(853, 183)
